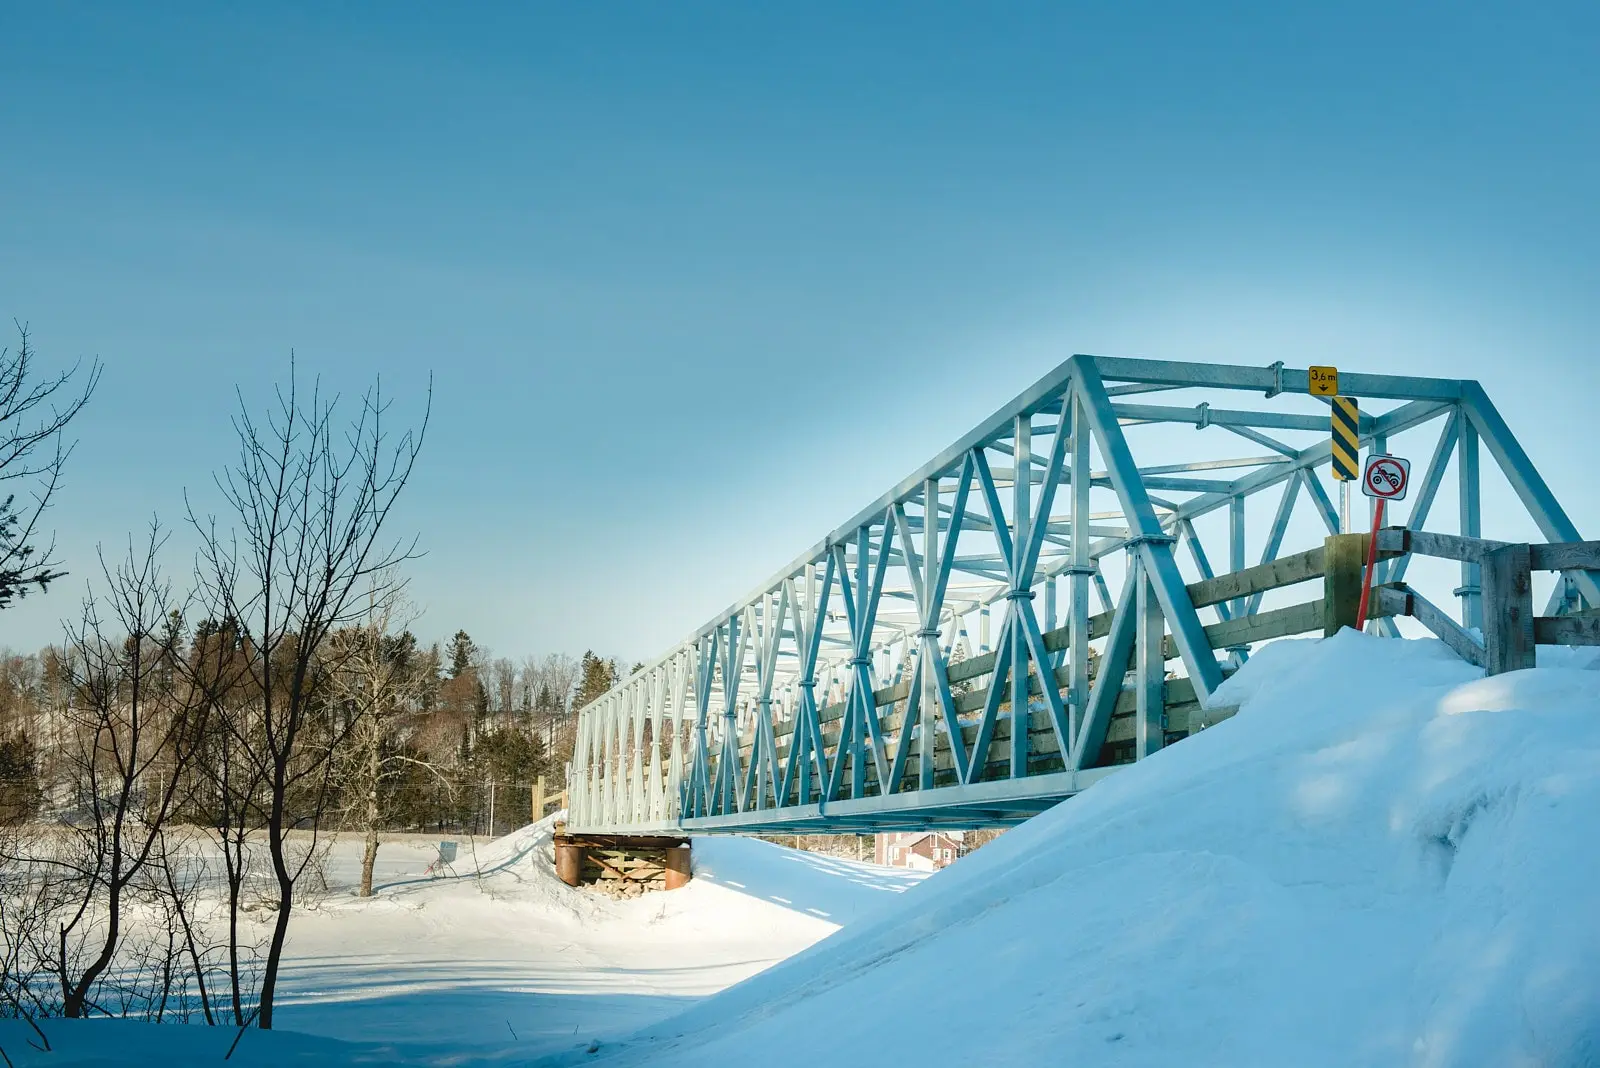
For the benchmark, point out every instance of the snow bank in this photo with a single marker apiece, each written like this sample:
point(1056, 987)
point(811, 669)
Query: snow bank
point(1384, 858)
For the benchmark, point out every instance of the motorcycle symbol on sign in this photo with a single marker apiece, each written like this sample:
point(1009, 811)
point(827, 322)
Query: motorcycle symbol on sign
point(1386, 477)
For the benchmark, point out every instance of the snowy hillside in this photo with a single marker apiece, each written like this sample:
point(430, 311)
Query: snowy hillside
point(1384, 859)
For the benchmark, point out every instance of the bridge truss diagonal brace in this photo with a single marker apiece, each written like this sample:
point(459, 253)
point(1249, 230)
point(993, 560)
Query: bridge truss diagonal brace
point(1154, 544)
point(1526, 481)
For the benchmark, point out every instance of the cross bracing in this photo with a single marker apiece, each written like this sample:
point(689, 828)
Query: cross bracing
point(1054, 595)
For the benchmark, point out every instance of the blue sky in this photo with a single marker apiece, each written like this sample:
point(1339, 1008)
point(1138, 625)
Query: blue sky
point(695, 282)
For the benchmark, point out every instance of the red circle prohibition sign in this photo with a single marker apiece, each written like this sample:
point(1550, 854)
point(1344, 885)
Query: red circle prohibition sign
point(1386, 479)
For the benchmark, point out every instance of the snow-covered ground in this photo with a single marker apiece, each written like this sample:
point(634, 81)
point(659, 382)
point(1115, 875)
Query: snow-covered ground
point(463, 964)
point(1383, 859)
point(503, 961)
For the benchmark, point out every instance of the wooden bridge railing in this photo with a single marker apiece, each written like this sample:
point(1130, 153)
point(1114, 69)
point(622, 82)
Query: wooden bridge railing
point(1511, 632)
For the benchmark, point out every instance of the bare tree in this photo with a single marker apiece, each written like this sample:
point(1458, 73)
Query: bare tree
point(529, 680)
point(503, 685)
point(311, 505)
point(136, 732)
point(379, 677)
point(559, 674)
point(34, 413)
point(230, 802)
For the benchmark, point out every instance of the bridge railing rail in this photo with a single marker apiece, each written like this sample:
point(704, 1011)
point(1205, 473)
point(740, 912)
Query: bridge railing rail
point(1511, 631)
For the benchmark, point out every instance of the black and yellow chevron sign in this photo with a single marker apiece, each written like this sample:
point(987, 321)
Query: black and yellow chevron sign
point(1346, 439)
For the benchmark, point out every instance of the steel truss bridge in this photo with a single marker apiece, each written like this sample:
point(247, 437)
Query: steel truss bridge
point(938, 660)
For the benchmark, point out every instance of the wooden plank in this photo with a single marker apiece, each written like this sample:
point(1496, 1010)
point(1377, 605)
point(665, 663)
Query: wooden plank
point(1269, 576)
point(1391, 599)
point(1426, 543)
point(1567, 630)
point(1444, 628)
point(1566, 556)
point(1508, 609)
point(1278, 623)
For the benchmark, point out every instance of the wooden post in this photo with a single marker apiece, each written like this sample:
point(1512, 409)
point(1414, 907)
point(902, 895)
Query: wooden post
point(538, 799)
point(1507, 609)
point(1343, 556)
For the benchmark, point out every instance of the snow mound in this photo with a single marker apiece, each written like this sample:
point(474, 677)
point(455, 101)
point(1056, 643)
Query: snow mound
point(1383, 859)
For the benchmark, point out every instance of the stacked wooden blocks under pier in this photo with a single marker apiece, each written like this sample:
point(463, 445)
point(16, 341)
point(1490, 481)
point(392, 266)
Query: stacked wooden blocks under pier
point(621, 865)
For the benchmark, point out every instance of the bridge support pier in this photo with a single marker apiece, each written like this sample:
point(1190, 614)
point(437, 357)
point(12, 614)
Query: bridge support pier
point(622, 864)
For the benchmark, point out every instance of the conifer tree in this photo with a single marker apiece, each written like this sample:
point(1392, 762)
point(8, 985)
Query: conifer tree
point(596, 676)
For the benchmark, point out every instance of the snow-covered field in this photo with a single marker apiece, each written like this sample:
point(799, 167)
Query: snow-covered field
point(1383, 859)
point(503, 962)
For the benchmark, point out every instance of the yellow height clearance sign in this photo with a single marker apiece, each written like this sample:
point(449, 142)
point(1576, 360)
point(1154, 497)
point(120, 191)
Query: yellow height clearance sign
point(1346, 439)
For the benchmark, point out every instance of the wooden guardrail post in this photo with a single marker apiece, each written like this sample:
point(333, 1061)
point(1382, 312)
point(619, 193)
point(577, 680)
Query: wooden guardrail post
point(1507, 582)
point(1343, 557)
point(538, 799)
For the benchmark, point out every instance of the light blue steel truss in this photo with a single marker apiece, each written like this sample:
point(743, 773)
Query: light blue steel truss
point(824, 700)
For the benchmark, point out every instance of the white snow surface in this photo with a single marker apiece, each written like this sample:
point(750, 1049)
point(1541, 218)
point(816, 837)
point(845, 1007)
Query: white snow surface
point(1383, 859)
point(502, 962)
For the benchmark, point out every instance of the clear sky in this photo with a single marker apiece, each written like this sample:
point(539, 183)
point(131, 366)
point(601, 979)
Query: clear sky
point(696, 282)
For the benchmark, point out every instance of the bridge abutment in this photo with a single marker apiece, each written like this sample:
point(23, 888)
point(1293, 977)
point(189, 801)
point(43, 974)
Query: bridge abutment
point(622, 864)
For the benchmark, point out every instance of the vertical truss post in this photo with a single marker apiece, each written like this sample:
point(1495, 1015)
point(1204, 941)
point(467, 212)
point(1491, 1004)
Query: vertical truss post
point(699, 800)
point(680, 694)
point(658, 704)
point(930, 684)
point(726, 785)
point(1021, 587)
point(1236, 544)
point(806, 747)
point(1150, 669)
point(613, 722)
point(935, 691)
point(1236, 547)
point(1378, 447)
point(1471, 525)
point(639, 713)
point(578, 779)
point(1082, 567)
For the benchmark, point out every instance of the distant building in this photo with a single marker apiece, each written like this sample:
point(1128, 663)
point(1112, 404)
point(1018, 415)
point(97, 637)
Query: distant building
point(919, 850)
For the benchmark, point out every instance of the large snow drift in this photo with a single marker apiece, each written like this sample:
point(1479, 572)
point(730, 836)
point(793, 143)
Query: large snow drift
point(1383, 859)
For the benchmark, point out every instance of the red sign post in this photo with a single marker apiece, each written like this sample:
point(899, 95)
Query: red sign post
point(1385, 478)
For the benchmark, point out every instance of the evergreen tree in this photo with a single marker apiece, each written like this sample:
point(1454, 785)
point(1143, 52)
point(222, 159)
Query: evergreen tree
point(461, 654)
point(596, 676)
point(20, 792)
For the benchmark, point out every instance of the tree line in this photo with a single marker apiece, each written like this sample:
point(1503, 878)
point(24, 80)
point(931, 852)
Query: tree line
point(171, 767)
